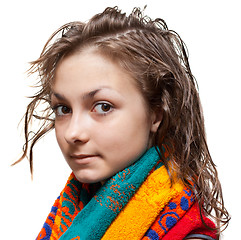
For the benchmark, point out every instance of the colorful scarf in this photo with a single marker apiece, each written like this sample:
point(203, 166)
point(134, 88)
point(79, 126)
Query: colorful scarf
point(136, 203)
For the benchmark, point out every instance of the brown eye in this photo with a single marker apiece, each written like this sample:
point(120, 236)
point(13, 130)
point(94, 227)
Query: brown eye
point(62, 110)
point(103, 108)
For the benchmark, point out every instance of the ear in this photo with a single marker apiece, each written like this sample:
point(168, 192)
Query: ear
point(156, 119)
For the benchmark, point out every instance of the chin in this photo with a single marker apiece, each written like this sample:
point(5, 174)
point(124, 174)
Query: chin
point(90, 178)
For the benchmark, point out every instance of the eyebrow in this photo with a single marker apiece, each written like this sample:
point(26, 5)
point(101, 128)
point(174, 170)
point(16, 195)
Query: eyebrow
point(91, 94)
point(85, 96)
point(59, 96)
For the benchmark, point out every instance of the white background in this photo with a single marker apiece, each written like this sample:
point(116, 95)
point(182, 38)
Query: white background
point(211, 31)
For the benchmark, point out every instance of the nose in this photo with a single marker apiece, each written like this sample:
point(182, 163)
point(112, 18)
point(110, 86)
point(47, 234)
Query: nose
point(77, 130)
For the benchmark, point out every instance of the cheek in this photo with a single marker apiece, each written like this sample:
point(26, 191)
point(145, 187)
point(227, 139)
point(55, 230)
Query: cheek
point(124, 133)
point(59, 136)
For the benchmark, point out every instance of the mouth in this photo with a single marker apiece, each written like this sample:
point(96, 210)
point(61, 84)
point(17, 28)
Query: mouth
point(83, 158)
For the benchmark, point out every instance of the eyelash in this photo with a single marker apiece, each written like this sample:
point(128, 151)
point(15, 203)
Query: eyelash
point(109, 110)
point(58, 106)
point(108, 105)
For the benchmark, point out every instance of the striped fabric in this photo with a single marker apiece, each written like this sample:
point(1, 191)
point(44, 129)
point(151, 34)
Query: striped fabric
point(137, 203)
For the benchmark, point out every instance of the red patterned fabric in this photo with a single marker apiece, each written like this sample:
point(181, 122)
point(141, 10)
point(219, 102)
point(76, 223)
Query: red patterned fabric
point(191, 223)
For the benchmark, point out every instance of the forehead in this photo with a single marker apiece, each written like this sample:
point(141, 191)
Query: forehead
point(88, 70)
point(89, 67)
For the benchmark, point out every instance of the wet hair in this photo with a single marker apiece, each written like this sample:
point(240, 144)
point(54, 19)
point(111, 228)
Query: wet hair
point(156, 58)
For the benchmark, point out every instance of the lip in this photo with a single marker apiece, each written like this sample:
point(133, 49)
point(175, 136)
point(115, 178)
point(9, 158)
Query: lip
point(83, 158)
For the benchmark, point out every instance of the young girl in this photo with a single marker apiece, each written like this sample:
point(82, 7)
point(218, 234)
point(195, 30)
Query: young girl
point(129, 123)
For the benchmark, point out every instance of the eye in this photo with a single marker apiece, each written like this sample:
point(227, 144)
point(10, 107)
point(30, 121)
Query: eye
point(61, 110)
point(103, 108)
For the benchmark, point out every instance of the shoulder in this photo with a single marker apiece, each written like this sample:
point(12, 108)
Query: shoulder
point(198, 237)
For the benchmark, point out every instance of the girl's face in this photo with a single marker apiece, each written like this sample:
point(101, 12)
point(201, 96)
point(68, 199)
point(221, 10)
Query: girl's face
point(102, 122)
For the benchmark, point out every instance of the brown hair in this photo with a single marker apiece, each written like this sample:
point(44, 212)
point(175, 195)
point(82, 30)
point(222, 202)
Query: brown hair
point(156, 58)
